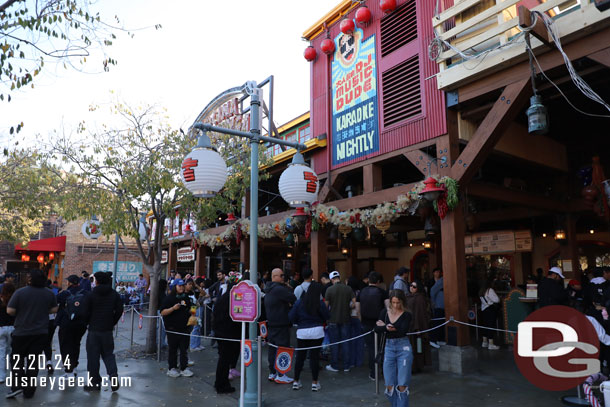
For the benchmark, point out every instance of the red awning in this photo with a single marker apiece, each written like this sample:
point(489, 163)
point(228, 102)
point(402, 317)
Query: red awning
point(53, 244)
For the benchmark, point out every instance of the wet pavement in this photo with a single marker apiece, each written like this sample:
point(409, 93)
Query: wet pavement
point(496, 382)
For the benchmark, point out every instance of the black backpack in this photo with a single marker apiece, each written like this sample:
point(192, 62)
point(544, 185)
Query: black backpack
point(75, 307)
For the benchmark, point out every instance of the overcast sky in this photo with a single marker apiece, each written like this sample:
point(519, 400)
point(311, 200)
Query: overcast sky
point(204, 48)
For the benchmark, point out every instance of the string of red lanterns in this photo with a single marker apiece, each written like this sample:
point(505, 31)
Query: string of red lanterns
point(347, 26)
point(40, 258)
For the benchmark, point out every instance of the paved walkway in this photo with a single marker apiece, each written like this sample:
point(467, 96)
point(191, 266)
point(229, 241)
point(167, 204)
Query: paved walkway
point(497, 382)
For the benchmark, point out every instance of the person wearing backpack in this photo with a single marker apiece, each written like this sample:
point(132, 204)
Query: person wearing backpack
point(71, 320)
point(373, 300)
point(400, 280)
point(103, 309)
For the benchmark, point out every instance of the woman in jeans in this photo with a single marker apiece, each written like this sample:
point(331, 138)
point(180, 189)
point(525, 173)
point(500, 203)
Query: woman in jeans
point(309, 313)
point(394, 322)
point(6, 327)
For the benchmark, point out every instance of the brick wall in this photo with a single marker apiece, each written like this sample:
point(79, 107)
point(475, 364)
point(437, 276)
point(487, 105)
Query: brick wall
point(82, 252)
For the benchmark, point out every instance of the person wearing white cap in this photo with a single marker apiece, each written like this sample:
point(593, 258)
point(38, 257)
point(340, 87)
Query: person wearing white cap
point(551, 290)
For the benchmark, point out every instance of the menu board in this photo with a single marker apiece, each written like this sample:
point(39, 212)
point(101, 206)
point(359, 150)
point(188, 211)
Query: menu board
point(245, 302)
point(505, 241)
point(523, 240)
point(468, 244)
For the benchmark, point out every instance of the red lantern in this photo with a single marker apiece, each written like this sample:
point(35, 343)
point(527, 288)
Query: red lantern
point(327, 46)
point(347, 26)
point(231, 218)
point(310, 53)
point(40, 258)
point(363, 15)
point(387, 6)
point(432, 191)
point(51, 256)
point(24, 257)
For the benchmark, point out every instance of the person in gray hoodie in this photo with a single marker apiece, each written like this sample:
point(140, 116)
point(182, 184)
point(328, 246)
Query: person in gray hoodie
point(437, 297)
point(278, 300)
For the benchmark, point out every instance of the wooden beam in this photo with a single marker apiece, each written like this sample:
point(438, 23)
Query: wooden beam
point(419, 159)
point(362, 201)
point(538, 30)
point(371, 174)
point(601, 57)
point(582, 47)
point(541, 150)
point(318, 253)
point(514, 213)
point(503, 112)
point(525, 199)
point(380, 158)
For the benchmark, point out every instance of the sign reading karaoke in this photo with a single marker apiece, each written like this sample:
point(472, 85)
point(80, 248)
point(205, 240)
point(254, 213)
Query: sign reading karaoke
point(355, 108)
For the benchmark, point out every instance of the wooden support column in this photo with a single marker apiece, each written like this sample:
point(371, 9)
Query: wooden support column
point(371, 174)
point(200, 261)
point(454, 274)
point(172, 257)
point(352, 261)
point(318, 253)
point(453, 252)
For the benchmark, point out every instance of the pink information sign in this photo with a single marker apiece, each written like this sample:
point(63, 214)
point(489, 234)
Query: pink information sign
point(245, 302)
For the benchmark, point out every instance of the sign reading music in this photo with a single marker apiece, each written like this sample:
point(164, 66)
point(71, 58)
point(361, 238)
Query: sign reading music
point(355, 108)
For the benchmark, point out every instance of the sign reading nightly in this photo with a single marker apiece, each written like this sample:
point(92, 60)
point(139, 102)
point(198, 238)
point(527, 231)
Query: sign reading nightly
point(355, 109)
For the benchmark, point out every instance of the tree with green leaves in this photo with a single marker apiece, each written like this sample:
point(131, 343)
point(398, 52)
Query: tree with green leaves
point(133, 169)
point(31, 189)
point(34, 32)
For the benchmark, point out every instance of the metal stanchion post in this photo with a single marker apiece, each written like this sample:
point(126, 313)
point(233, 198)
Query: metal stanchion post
point(259, 358)
point(132, 321)
point(376, 347)
point(476, 322)
point(205, 321)
point(159, 339)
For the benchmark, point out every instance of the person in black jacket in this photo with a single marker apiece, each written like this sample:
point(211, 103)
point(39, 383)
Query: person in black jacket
point(225, 328)
point(176, 310)
point(104, 309)
point(71, 327)
point(551, 290)
point(372, 301)
point(278, 300)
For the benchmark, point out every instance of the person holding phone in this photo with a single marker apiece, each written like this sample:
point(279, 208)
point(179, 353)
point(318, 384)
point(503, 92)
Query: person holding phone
point(394, 322)
point(176, 310)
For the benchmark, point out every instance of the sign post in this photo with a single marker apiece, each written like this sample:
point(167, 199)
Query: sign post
point(245, 306)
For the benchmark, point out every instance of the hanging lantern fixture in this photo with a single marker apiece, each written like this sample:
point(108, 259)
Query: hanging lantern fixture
point(327, 46)
point(431, 191)
point(387, 6)
point(347, 26)
point(298, 183)
point(204, 172)
point(310, 53)
point(363, 15)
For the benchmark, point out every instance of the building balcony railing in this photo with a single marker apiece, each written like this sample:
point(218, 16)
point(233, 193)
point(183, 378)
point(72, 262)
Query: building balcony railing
point(477, 37)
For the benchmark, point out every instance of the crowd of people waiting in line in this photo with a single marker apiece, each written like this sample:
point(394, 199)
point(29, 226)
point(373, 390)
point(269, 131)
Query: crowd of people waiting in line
point(328, 311)
point(29, 317)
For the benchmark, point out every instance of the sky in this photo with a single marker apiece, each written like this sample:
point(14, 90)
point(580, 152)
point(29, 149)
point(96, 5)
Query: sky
point(203, 48)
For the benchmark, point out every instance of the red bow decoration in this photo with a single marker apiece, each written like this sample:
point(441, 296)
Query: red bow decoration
point(441, 203)
point(238, 235)
point(308, 227)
